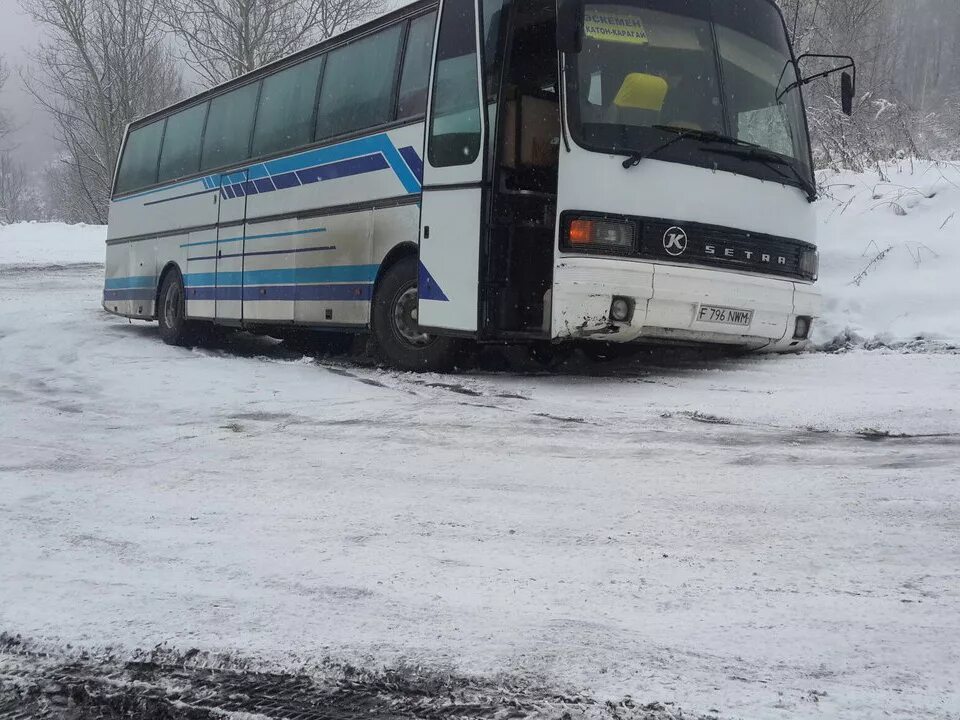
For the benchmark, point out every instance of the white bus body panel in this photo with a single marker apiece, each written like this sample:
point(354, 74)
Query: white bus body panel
point(448, 280)
point(450, 259)
point(303, 239)
point(666, 295)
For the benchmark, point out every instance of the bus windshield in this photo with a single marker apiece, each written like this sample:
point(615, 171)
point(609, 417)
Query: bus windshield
point(718, 66)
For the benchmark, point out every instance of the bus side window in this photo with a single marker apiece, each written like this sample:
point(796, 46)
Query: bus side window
point(180, 155)
point(455, 115)
point(226, 140)
point(416, 67)
point(138, 168)
point(357, 87)
point(287, 103)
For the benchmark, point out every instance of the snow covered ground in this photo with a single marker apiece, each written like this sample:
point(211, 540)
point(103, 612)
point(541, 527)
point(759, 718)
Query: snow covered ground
point(756, 538)
point(35, 244)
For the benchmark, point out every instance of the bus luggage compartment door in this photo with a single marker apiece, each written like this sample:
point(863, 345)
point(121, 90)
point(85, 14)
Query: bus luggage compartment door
point(230, 245)
point(450, 218)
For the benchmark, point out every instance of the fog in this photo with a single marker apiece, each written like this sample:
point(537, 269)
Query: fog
point(31, 142)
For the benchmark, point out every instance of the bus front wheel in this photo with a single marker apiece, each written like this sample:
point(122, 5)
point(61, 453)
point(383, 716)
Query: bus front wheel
point(175, 329)
point(394, 324)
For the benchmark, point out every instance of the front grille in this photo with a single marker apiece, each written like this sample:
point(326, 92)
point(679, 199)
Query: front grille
point(691, 243)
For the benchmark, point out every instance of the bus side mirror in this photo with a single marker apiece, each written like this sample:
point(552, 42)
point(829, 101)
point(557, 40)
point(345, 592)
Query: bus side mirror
point(569, 22)
point(847, 92)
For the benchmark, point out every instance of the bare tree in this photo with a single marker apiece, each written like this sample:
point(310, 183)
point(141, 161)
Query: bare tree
point(908, 56)
point(226, 38)
point(102, 64)
point(59, 194)
point(5, 122)
point(18, 201)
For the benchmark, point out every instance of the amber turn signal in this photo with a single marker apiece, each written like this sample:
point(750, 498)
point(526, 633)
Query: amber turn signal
point(600, 236)
point(581, 232)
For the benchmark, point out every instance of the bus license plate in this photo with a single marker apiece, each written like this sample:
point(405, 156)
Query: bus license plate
point(725, 315)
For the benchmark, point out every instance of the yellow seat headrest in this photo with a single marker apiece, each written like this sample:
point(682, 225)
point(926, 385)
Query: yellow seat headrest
point(641, 91)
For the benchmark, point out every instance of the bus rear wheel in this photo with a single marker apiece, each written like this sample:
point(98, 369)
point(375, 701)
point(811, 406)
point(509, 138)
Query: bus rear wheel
point(175, 329)
point(394, 324)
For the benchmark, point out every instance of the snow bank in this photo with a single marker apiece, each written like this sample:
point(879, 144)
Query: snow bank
point(890, 254)
point(51, 244)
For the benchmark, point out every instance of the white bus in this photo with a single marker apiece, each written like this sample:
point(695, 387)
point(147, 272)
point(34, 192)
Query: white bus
point(509, 171)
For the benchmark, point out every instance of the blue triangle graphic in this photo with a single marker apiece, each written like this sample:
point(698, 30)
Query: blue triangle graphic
point(427, 287)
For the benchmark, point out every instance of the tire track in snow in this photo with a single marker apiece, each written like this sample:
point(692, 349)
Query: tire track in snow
point(164, 685)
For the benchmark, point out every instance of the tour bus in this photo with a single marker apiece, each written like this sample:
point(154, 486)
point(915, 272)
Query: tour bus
point(487, 171)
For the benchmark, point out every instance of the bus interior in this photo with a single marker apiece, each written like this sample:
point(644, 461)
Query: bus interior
point(517, 257)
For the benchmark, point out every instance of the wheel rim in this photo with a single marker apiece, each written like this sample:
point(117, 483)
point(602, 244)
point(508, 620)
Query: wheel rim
point(172, 302)
point(405, 319)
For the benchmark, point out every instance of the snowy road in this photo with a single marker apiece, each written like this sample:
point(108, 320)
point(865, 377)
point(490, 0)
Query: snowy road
point(760, 538)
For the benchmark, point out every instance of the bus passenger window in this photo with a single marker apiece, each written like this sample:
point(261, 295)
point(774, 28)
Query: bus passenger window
point(357, 88)
point(226, 140)
point(285, 114)
point(416, 67)
point(181, 143)
point(138, 168)
point(455, 116)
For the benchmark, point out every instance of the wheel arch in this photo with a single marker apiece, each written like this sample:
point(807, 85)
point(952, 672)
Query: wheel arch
point(396, 254)
point(170, 267)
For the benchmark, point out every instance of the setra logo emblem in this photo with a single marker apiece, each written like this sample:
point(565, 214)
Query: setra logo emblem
point(675, 241)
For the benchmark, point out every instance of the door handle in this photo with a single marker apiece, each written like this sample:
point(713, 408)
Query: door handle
point(219, 253)
point(426, 232)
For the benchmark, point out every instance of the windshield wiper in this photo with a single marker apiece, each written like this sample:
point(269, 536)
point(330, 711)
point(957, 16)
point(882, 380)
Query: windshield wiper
point(749, 151)
point(706, 135)
point(635, 157)
point(738, 148)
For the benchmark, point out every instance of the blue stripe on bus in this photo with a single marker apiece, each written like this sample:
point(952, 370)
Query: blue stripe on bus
point(340, 292)
point(299, 276)
point(127, 283)
point(282, 173)
point(162, 189)
point(343, 168)
point(255, 237)
point(286, 276)
point(197, 279)
point(317, 248)
point(412, 158)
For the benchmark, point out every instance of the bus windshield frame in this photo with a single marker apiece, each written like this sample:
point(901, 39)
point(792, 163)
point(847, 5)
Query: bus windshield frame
point(648, 70)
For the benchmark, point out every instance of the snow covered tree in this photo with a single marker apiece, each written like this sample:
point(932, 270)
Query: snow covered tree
point(18, 194)
point(101, 64)
point(908, 56)
point(226, 38)
point(5, 126)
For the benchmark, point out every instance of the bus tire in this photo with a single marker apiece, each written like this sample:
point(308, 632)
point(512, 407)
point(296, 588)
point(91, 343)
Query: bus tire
point(397, 337)
point(175, 329)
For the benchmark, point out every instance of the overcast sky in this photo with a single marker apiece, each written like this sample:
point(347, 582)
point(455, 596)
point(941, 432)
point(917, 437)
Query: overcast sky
point(18, 36)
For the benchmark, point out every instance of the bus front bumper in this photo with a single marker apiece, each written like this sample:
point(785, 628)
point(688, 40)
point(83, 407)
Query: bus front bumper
point(667, 304)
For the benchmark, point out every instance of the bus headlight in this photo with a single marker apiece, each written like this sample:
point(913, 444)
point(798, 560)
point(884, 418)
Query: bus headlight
point(596, 235)
point(810, 264)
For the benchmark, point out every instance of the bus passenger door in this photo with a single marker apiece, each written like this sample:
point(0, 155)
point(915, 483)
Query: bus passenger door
point(451, 209)
point(230, 246)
